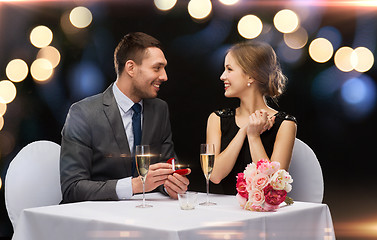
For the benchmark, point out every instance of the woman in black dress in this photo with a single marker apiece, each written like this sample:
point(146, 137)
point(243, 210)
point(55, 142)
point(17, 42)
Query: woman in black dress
point(253, 131)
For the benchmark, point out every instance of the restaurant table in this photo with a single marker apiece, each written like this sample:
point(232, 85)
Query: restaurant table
point(165, 220)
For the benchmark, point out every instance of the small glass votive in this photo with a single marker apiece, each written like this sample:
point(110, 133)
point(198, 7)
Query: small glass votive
point(187, 200)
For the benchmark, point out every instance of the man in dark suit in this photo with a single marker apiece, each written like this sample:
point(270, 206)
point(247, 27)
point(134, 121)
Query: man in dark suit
point(98, 138)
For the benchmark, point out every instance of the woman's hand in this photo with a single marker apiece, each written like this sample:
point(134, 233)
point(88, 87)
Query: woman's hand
point(259, 122)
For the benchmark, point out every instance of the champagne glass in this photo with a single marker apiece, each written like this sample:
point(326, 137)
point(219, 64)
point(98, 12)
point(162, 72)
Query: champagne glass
point(207, 158)
point(143, 158)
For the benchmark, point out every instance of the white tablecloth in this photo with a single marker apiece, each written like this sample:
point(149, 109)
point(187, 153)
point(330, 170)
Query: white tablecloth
point(165, 220)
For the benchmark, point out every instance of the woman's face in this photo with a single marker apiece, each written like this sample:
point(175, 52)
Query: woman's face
point(234, 78)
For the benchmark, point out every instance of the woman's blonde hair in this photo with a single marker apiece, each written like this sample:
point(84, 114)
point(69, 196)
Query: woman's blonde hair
point(259, 60)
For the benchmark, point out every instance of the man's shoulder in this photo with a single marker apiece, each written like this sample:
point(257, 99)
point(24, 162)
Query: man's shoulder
point(90, 101)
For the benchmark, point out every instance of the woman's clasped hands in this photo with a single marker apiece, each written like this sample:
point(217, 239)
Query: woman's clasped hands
point(259, 122)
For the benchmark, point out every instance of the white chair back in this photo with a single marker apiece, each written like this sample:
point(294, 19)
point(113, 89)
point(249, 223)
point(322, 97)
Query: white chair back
point(307, 176)
point(33, 179)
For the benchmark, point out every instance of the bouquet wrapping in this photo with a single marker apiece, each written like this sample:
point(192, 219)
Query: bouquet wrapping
point(263, 186)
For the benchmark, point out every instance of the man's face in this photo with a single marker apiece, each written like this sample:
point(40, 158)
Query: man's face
point(150, 74)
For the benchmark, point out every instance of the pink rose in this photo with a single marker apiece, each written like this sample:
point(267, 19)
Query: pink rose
point(241, 186)
point(281, 180)
point(257, 208)
point(253, 207)
point(270, 208)
point(267, 167)
point(257, 197)
point(263, 164)
point(250, 170)
point(274, 197)
point(241, 200)
point(260, 181)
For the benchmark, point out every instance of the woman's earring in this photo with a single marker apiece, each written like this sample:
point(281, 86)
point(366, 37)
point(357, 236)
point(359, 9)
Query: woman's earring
point(248, 84)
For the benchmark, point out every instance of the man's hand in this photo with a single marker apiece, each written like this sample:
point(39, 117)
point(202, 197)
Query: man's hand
point(157, 175)
point(176, 183)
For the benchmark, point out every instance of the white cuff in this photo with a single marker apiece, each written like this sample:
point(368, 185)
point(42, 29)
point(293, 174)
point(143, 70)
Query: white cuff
point(124, 188)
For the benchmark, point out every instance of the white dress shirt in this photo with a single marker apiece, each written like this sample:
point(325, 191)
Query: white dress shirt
point(124, 185)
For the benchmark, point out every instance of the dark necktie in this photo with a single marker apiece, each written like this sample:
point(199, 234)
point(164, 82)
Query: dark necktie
point(136, 128)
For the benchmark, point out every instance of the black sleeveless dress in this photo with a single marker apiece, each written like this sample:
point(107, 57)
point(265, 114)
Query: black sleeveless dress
point(229, 130)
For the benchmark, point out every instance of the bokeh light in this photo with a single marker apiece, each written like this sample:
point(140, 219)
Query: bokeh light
point(41, 70)
point(296, 39)
point(1, 125)
point(342, 59)
point(250, 26)
point(80, 17)
point(359, 96)
point(7, 91)
point(364, 59)
point(321, 50)
point(229, 2)
point(325, 89)
point(165, 5)
point(332, 34)
point(286, 21)
point(199, 9)
point(41, 36)
point(51, 54)
point(353, 91)
point(17, 70)
point(1, 183)
point(66, 24)
point(289, 55)
point(3, 108)
point(86, 79)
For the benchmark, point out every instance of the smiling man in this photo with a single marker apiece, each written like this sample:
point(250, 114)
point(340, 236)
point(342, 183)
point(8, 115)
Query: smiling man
point(101, 132)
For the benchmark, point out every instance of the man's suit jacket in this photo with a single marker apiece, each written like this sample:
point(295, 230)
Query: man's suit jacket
point(94, 148)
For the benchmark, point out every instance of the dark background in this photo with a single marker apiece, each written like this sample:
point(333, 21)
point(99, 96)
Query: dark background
point(342, 136)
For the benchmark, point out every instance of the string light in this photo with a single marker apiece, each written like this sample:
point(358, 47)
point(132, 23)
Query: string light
point(41, 36)
point(342, 59)
point(321, 50)
point(41, 70)
point(296, 39)
point(286, 21)
point(165, 5)
point(51, 54)
point(7, 91)
point(80, 17)
point(250, 26)
point(3, 108)
point(199, 9)
point(364, 59)
point(17, 70)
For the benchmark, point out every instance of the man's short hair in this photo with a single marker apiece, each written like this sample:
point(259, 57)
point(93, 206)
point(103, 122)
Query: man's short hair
point(132, 47)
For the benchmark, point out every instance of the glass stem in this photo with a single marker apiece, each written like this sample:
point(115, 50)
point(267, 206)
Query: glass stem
point(143, 194)
point(207, 179)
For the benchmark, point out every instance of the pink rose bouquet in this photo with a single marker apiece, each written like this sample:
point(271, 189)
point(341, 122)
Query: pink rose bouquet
point(263, 186)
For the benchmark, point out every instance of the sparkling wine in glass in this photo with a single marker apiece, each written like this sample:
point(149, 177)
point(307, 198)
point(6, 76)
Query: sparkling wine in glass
point(207, 159)
point(143, 158)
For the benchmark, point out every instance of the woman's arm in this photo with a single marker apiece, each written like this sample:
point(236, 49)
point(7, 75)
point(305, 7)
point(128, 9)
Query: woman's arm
point(284, 141)
point(225, 160)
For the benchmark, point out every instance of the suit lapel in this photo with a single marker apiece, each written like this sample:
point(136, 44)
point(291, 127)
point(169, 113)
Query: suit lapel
point(113, 115)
